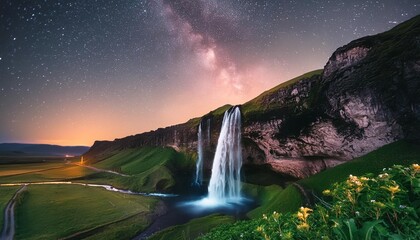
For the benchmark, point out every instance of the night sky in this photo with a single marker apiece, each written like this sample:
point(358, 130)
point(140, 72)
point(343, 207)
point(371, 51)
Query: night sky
point(72, 71)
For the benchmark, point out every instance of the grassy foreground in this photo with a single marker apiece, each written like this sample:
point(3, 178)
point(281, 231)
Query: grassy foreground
point(290, 199)
point(194, 228)
point(275, 199)
point(57, 211)
point(384, 206)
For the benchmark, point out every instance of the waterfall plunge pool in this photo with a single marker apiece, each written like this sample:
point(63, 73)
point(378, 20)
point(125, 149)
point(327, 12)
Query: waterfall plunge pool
point(183, 208)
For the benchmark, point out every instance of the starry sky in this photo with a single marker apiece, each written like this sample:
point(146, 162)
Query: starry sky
point(75, 71)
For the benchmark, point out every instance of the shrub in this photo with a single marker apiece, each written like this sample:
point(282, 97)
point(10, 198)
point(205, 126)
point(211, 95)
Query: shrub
point(386, 206)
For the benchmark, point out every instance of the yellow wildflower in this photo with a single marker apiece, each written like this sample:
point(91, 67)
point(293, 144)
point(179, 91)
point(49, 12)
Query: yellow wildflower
point(276, 215)
point(326, 192)
point(350, 196)
point(416, 167)
point(393, 190)
point(383, 176)
point(300, 216)
point(303, 226)
point(260, 229)
point(355, 181)
point(364, 179)
point(304, 212)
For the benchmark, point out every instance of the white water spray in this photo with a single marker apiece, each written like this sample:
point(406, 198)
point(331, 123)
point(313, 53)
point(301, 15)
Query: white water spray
point(225, 184)
point(199, 165)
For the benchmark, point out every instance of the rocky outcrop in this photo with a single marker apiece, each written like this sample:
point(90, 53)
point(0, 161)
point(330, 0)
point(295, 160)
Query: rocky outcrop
point(344, 58)
point(367, 95)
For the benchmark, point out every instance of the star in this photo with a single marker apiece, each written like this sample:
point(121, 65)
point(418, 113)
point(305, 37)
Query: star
point(118, 61)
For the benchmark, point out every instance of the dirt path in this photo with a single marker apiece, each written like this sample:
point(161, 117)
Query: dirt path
point(101, 170)
point(8, 230)
point(307, 201)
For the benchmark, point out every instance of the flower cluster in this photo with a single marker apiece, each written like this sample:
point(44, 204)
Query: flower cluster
point(383, 203)
point(385, 206)
point(303, 215)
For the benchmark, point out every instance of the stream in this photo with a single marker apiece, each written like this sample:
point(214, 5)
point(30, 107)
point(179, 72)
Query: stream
point(179, 208)
point(107, 187)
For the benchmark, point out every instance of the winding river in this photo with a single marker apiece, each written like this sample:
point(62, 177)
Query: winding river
point(107, 187)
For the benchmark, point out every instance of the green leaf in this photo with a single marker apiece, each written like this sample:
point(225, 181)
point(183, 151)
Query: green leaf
point(352, 229)
point(396, 237)
point(368, 228)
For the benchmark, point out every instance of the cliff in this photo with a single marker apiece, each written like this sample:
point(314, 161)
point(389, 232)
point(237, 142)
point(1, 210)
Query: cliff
point(367, 95)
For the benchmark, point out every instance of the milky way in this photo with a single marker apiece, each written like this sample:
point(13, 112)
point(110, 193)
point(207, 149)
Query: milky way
point(75, 71)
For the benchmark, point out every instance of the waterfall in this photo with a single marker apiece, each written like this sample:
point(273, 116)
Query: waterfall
point(199, 165)
point(225, 178)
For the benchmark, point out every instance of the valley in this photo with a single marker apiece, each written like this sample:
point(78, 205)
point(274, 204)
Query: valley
point(229, 169)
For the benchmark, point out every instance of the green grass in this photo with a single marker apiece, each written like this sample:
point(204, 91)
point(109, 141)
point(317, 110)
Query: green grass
point(255, 104)
point(56, 211)
point(150, 169)
point(218, 112)
point(45, 173)
point(401, 152)
point(193, 228)
point(15, 169)
point(6, 193)
point(122, 230)
point(384, 206)
point(290, 199)
point(274, 198)
point(221, 110)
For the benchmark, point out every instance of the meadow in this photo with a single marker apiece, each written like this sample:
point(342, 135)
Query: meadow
point(58, 211)
point(74, 211)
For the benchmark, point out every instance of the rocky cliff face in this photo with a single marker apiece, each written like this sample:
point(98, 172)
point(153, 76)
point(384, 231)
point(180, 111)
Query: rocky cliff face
point(367, 95)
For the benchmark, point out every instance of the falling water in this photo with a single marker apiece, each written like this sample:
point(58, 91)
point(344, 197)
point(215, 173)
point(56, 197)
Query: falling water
point(224, 183)
point(199, 165)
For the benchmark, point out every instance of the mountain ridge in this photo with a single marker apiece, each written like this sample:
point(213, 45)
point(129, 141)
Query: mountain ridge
point(366, 96)
point(29, 149)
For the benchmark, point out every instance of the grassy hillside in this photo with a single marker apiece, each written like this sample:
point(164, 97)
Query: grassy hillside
point(193, 228)
point(257, 104)
point(401, 152)
point(290, 199)
point(274, 198)
point(56, 211)
point(150, 169)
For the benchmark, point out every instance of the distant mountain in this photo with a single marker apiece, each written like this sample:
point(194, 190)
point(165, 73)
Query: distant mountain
point(366, 96)
point(23, 149)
